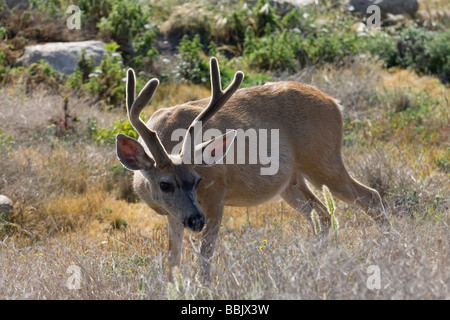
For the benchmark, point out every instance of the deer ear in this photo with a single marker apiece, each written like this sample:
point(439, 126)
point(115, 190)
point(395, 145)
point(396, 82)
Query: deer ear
point(214, 150)
point(132, 154)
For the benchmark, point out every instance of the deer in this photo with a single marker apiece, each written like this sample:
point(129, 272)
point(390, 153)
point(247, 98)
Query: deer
point(192, 195)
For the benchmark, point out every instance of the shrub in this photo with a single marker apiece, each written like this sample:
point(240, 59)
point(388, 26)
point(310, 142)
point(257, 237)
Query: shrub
point(145, 47)
point(271, 52)
point(416, 48)
point(51, 7)
point(329, 46)
point(437, 53)
point(4, 66)
point(120, 180)
point(95, 10)
point(81, 74)
point(125, 21)
point(108, 135)
point(105, 82)
point(38, 74)
point(6, 141)
point(192, 67)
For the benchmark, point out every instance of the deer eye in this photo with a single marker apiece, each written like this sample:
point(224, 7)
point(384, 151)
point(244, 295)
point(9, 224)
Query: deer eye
point(166, 186)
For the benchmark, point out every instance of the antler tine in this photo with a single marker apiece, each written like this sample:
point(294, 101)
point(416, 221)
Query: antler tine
point(218, 99)
point(134, 109)
point(131, 89)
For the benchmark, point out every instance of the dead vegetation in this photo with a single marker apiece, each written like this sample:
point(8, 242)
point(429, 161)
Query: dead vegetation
point(68, 213)
point(74, 206)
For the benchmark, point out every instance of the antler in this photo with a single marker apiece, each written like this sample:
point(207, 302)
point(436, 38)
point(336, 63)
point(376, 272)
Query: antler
point(134, 109)
point(218, 99)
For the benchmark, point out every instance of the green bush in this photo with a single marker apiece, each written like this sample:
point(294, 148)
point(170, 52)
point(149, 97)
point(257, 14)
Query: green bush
point(37, 74)
point(275, 51)
point(330, 46)
point(191, 67)
point(51, 7)
point(416, 48)
point(81, 74)
point(95, 9)
point(105, 82)
point(145, 46)
point(126, 20)
point(262, 18)
point(4, 66)
point(194, 65)
point(107, 136)
point(6, 141)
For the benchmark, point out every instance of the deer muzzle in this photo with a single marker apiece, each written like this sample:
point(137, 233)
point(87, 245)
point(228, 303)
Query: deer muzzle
point(195, 222)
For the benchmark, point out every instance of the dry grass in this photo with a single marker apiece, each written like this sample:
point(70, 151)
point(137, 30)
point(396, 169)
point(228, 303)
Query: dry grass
point(67, 212)
point(275, 260)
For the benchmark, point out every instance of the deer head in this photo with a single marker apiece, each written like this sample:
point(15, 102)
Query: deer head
point(172, 179)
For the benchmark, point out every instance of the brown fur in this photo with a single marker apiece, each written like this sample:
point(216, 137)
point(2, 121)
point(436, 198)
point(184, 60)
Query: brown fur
point(310, 137)
point(310, 125)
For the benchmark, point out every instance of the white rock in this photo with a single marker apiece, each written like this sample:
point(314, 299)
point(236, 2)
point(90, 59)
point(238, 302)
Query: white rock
point(6, 205)
point(62, 56)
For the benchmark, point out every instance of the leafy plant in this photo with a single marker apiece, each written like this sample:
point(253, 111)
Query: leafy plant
point(146, 47)
point(124, 22)
point(4, 66)
point(95, 9)
point(51, 7)
point(331, 208)
point(106, 82)
point(38, 74)
point(108, 135)
point(271, 52)
point(416, 48)
point(6, 141)
point(81, 74)
point(192, 67)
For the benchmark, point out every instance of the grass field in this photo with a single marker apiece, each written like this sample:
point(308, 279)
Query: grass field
point(75, 208)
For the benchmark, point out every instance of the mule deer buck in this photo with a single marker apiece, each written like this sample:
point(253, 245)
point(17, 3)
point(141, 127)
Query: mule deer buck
point(193, 195)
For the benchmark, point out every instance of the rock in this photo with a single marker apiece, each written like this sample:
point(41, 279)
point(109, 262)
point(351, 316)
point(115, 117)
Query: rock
point(19, 4)
point(62, 56)
point(6, 206)
point(408, 7)
point(295, 3)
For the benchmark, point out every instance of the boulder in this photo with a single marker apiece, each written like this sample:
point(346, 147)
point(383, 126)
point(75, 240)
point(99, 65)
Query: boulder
point(19, 4)
point(295, 3)
point(62, 56)
point(6, 206)
point(394, 7)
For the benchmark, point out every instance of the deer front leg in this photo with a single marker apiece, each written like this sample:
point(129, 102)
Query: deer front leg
point(176, 233)
point(213, 211)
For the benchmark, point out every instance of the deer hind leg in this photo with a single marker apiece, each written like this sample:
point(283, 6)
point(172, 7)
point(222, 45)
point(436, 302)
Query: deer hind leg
point(341, 185)
point(299, 196)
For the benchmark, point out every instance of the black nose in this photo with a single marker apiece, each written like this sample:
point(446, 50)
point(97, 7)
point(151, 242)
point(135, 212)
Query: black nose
point(196, 222)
